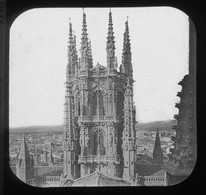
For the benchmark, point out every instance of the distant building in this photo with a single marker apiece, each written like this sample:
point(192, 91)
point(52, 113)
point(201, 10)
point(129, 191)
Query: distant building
point(150, 174)
point(48, 175)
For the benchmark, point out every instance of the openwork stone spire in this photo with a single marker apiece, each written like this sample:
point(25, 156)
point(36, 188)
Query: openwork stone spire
point(110, 45)
point(84, 63)
point(72, 53)
point(126, 53)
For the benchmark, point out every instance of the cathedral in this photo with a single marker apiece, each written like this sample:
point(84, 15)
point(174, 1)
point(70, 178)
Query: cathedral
point(99, 137)
point(99, 127)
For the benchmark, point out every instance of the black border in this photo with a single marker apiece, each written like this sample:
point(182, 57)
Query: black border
point(195, 10)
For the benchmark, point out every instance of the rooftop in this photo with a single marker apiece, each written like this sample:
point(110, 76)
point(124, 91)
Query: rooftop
point(99, 179)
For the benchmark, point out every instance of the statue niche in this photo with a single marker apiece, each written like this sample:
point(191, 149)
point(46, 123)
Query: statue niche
point(98, 142)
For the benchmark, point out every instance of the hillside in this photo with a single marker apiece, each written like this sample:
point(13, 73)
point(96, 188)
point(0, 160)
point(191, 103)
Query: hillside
point(38, 129)
point(152, 126)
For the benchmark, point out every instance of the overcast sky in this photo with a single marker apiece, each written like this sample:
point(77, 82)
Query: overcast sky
point(38, 58)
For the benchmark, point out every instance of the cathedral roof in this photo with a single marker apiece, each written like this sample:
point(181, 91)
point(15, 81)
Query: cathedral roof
point(147, 169)
point(99, 179)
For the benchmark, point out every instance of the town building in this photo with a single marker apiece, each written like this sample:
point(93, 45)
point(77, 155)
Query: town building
point(33, 172)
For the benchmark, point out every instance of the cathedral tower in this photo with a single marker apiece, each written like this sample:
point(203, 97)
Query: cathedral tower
point(98, 102)
point(25, 164)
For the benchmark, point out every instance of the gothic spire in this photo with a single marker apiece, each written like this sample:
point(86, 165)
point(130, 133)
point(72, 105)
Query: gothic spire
point(126, 53)
point(110, 45)
point(72, 53)
point(70, 35)
point(84, 30)
point(157, 152)
point(24, 169)
point(24, 151)
point(84, 45)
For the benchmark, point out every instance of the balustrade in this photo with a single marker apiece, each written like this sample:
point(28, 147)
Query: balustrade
point(99, 158)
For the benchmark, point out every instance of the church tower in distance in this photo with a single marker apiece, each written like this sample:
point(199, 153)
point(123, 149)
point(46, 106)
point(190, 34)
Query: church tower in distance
point(157, 152)
point(25, 164)
point(99, 128)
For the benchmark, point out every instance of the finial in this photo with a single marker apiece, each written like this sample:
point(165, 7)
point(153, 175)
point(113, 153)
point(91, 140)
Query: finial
point(69, 20)
point(110, 9)
point(127, 18)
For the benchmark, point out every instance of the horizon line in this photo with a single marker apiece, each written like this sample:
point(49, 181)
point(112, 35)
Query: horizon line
point(29, 126)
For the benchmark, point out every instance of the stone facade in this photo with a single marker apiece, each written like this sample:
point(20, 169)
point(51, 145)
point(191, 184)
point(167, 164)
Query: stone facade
point(99, 110)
